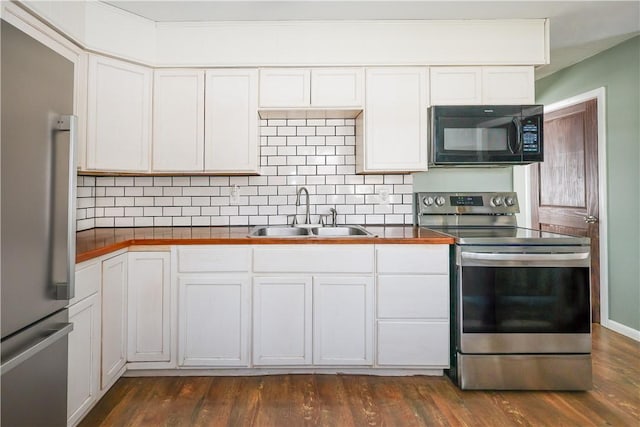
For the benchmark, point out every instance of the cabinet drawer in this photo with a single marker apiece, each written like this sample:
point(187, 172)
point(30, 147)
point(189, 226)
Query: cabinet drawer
point(314, 259)
point(87, 280)
point(218, 259)
point(412, 297)
point(423, 259)
point(413, 343)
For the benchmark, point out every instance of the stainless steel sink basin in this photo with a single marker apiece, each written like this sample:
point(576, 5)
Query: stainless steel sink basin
point(341, 231)
point(289, 231)
point(279, 231)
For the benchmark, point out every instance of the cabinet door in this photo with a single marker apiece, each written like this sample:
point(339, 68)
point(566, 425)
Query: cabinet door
point(343, 321)
point(114, 319)
point(285, 87)
point(282, 321)
point(456, 85)
point(178, 121)
point(149, 307)
point(395, 138)
point(118, 116)
point(84, 358)
point(213, 321)
point(413, 343)
point(337, 87)
point(231, 134)
point(508, 85)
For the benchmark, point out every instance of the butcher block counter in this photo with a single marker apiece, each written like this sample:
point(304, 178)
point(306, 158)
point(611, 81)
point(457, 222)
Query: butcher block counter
point(100, 241)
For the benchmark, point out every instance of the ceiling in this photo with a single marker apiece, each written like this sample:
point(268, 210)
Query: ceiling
point(579, 29)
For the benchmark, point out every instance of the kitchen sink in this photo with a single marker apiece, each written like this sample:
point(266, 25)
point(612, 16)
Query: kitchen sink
point(341, 231)
point(279, 231)
point(289, 231)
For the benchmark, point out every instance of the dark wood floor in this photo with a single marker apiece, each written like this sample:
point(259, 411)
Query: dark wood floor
point(354, 400)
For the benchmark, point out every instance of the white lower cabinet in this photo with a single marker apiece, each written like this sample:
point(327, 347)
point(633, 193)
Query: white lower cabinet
point(412, 318)
point(149, 307)
point(84, 357)
point(343, 320)
point(282, 328)
point(114, 319)
point(213, 320)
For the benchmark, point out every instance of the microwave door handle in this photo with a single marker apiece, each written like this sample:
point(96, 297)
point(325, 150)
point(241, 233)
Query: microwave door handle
point(518, 145)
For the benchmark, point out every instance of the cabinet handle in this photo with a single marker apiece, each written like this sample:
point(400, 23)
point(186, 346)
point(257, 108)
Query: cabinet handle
point(590, 219)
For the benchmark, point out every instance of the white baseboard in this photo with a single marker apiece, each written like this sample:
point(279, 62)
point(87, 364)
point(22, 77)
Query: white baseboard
point(634, 334)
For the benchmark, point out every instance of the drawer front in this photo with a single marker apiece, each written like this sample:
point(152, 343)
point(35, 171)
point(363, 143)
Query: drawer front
point(313, 259)
point(413, 297)
point(88, 276)
point(413, 343)
point(217, 259)
point(422, 259)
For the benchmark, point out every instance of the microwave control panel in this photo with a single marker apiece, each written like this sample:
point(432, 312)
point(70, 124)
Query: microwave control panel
point(530, 136)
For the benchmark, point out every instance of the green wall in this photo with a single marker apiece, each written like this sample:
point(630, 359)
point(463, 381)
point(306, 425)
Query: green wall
point(618, 71)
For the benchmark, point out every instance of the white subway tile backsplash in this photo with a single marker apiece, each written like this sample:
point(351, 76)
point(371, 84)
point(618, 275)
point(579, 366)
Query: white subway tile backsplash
point(316, 153)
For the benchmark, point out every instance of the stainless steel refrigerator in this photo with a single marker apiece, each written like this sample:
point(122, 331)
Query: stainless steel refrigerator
point(37, 229)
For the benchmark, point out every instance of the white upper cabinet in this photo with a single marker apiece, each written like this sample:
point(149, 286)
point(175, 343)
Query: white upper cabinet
point(508, 85)
point(482, 85)
point(118, 116)
point(311, 88)
point(231, 122)
point(178, 121)
point(336, 87)
point(285, 87)
point(394, 135)
point(456, 85)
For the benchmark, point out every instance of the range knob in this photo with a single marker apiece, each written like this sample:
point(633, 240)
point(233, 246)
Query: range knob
point(496, 200)
point(427, 200)
point(440, 201)
point(509, 201)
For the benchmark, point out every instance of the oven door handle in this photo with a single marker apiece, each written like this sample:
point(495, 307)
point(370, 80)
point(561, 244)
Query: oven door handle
point(526, 259)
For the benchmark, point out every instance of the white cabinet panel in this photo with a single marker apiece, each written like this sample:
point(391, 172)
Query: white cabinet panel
point(114, 318)
point(231, 121)
point(88, 276)
point(337, 87)
point(413, 343)
point(214, 259)
point(285, 87)
point(482, 85)
point(282, 320)
point(343, 321)
point(213, 320)
point(119, 115)
point(411, 297)
point(508, 85)
point(456, 85)
point(84, 358)
point(178, 121)
point(395, 121)
point(425, 259)
point(149, 307)
point(313, 259)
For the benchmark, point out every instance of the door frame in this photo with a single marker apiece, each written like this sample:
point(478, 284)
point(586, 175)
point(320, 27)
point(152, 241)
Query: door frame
point(599, 95)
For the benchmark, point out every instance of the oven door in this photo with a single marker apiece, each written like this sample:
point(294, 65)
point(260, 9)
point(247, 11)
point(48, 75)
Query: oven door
point(523, 299)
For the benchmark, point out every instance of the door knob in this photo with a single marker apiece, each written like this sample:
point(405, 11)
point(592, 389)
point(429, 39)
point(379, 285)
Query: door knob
point(590, 219)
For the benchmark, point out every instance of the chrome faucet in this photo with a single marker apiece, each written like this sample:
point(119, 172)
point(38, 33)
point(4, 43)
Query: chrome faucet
point(307, 219)
point(334, 214)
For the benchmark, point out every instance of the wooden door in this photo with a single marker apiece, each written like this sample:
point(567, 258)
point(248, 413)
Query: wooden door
point(565, 185)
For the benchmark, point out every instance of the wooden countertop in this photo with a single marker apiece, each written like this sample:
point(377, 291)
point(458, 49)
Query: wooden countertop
point(100, 241)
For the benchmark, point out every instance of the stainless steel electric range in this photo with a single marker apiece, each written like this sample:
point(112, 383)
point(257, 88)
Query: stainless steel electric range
point(521, 309)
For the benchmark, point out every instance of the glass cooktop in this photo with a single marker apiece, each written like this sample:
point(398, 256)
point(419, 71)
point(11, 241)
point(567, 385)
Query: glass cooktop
point(509, 235)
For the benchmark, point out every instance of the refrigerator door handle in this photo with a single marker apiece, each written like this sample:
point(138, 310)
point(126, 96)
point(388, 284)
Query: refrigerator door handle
point(33, 349)
point(65, 288)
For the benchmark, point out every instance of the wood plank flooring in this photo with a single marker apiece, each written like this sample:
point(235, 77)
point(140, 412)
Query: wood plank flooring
point(357, 400)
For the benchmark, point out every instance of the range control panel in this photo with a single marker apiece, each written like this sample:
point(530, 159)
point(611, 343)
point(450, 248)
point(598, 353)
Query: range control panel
point(438, 203)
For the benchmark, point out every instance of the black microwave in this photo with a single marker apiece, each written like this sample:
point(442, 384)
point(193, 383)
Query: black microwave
point(468, 135)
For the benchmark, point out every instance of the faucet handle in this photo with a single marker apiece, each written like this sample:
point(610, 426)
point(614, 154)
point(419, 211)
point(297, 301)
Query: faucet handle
point(294, 219)
point(322, 219)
